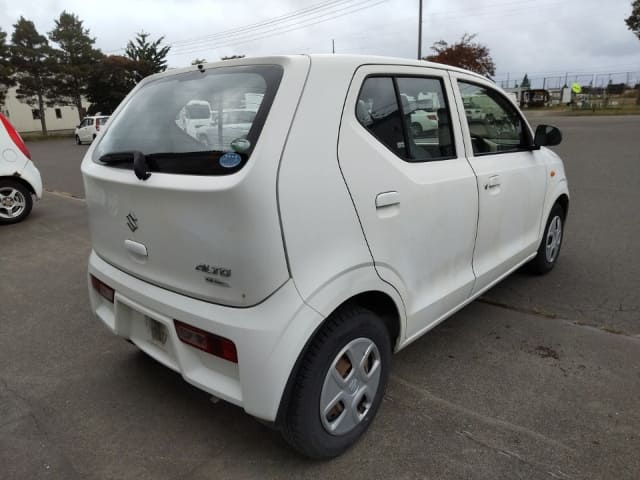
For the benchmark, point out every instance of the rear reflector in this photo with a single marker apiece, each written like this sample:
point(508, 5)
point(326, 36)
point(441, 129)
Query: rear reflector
point(207, 342)
point(102, 288)
point(15, 136)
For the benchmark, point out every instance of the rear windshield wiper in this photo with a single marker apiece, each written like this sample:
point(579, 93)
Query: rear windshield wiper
point(140, 166)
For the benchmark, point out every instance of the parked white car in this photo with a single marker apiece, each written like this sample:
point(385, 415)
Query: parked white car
point(279, 272)
point(194, 116)
point(89, 128)
point(20, 180)
point(231, 125)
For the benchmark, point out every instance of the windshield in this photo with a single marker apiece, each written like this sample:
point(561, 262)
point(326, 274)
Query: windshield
point(181, 120)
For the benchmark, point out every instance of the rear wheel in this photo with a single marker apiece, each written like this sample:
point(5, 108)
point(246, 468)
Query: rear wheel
point(549, 249)
point(416, 129)
point(340, 384)
point(78, 142)
point(15, 201)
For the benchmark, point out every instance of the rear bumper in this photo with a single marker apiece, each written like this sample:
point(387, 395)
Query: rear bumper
point(32, 175)
point(268, 337)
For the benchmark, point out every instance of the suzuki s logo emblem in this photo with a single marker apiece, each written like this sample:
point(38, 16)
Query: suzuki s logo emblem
point(132, 222)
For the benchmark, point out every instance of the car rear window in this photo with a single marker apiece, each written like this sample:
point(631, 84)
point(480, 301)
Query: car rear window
point(196, 123)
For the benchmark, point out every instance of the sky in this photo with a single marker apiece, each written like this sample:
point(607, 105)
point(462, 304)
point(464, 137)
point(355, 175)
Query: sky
point(585, 40)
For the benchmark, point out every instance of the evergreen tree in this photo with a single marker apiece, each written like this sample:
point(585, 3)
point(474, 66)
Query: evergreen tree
point(111, 79)
point(75, 60)
point(526, 84)
point(31, 58)
point(6, 69)
point(149, 56)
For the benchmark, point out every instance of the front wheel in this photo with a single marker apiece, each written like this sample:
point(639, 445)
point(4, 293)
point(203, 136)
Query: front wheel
point(549, 248)
point(340, 384)
point(15, 201)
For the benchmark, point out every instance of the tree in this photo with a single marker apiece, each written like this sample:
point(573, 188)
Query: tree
point(6, 69)
point(232, 57)
point(149, 57)
point(525, 82)
point(111, 79)
point(75, 60)
point(31, 57)
point(464, 54)
point(633, 22)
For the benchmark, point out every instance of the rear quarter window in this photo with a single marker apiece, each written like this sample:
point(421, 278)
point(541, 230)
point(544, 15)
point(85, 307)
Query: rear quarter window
point(194, 122)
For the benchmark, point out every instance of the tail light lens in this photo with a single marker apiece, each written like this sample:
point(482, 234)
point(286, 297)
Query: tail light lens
point(15, 136)
point(432, 117)
point(97, 126)
point(102, 288)
point(207, 342)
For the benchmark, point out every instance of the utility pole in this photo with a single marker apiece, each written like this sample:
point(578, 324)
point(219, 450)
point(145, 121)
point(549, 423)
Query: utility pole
point(420, 31)
point(333, 46)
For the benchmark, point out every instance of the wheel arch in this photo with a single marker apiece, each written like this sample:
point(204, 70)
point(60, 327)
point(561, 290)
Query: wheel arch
point(563, 200)
point(378, 302)
point(19, 179)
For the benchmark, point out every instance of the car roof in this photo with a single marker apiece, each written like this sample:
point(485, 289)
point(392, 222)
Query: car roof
point(324, 60)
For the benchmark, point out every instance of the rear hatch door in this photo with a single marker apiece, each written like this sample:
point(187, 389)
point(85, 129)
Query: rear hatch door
point(166, 207)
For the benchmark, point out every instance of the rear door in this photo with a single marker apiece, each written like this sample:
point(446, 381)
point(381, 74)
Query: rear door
point(205, 223)
point(511, 179)
point(413, 188)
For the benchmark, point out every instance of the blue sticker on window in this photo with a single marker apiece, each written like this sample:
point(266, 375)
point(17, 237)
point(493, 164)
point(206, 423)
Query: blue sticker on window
point(230, 160)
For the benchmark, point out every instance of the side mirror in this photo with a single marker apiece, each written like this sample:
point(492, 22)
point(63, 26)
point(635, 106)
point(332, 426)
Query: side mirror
point(547, 136)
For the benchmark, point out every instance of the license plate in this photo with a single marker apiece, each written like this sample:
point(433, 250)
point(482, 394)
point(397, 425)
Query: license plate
point(158, 330)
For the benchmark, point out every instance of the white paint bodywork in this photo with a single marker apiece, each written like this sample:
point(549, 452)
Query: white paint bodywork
point(311, 235)
point(15, 164)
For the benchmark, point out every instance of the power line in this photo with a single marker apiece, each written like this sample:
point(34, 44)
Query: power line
point(363, 5)
point(256, 26)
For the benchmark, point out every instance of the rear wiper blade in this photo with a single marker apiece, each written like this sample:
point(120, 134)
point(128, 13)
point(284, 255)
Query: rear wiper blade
point(140, 166)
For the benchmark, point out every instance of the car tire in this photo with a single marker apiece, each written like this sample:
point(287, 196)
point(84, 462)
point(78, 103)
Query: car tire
point(332, 403)
point(15, 201)
point(94, 137)
point(416, 129)
point(78, 142)
point(549, 249)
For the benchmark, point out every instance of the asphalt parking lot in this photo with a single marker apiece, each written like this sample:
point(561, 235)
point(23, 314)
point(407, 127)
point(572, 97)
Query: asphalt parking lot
point(539, 379)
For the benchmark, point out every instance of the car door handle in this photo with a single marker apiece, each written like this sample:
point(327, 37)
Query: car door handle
point(493, 182)
point(387, 199)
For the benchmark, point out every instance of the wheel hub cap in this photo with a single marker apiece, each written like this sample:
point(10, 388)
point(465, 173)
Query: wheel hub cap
point(554, 239)
point(350, 386)
point(12, 203)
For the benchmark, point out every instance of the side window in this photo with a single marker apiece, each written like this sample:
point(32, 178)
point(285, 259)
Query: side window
point(494, 124)
point(426, 118)
point(89, 121)
point(377, 110)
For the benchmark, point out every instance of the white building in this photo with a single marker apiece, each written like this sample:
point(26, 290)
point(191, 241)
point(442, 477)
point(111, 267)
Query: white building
point(26, 119)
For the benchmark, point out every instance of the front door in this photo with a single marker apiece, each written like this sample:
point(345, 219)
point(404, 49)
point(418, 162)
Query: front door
point(511, 179)
point(402, 156)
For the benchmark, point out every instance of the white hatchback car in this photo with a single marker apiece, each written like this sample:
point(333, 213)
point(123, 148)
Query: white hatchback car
point(89, 128)
point(20, 180)
point(280, 271)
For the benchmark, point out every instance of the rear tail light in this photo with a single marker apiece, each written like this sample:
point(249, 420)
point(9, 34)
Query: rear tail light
point(102, 288)
point(432, 117)
point(207, 342)
point(15, 136)
point(97, 126)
